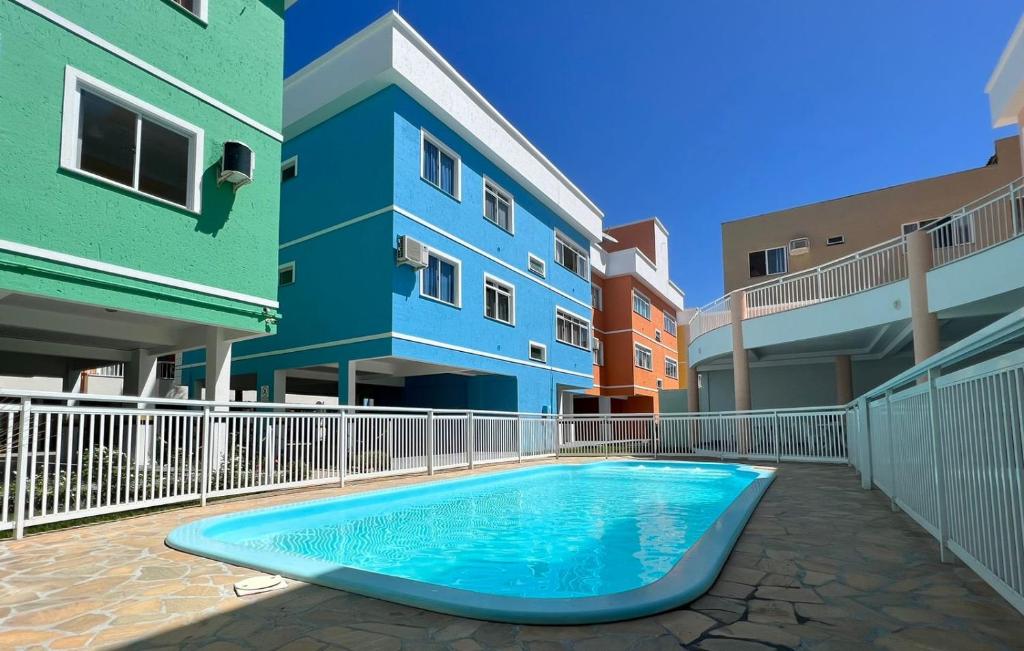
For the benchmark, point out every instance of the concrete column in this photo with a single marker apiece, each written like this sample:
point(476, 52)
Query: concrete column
point(218, 387)
point(604, 405)
point(692, 390)
point(72, 383)
point(346, 382)
point(844, 379)
point(140, 375)
point(925, 325)
point(740, 365)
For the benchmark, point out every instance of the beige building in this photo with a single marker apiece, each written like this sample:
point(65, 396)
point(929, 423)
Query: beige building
point(760, 248)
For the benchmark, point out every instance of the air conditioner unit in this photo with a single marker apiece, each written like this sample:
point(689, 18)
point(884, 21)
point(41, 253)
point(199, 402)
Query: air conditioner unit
point(657, 335)
point(799, 246)
point(237, 164)
point(412, 252)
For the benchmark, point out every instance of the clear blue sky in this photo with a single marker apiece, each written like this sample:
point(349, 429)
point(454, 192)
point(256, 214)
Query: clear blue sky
point(708, 111)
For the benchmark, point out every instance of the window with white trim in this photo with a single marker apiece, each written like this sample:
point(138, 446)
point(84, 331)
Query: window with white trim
point(571, 256)
point(286, 274)
point(113, 137)
point(671, 368)
point(441, 279)
point(441, 167)
point(571, 329)
point(643, 357)
point(499, 207)
point(537, 266)
point(670, 324)
point(289, 169)
point(641, 305)
point(768, 262)
point(197, 8)
point(596, 297)
point(499, 300)
point(598, 352)
point(538, 352)
point(658, 384)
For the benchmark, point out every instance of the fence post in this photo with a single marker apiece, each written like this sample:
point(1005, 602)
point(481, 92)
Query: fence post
point(430, 441)
point(19, 500)
point(205, 458)
point(655, 433)
point(343, 446)
point(606, 434)
point(1015, 211)
point(470, 439)
point(892, 458)
point(775, 436)
point(864, 432)
point(938, 463)
point(519, 441)
point(557, 422)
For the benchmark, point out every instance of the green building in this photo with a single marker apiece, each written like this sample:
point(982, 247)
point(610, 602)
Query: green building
point(126, 233)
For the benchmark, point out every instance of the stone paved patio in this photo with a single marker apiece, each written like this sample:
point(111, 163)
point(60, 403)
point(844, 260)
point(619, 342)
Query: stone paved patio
point(822, 565)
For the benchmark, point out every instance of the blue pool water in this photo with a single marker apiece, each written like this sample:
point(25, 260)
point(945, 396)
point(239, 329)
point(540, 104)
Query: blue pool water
point(547, 533)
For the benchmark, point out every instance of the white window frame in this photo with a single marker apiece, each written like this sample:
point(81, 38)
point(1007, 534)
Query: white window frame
point(671, 325)
point(76, 81)
point(636, 358)
point(291, 162)
point(544, 349)
point(426, 136)
point(511, 289)
point(511, 230)
point(202, 12)
point(597, 297)
point(567, 241)
point(668, 373)
point(598, 348)
point(286, 265)
point(835, 240)
point(585, 320)
point(643, 298)
point(458, 278)
point(543, 273)
point(767, 272)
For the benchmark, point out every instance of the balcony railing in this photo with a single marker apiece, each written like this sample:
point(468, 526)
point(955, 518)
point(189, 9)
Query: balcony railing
point(980, 225)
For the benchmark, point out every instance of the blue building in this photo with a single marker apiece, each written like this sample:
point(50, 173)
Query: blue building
point(384, 141)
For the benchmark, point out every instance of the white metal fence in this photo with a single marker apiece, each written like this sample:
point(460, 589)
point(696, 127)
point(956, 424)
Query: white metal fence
point(945, 442)
point(982, 224)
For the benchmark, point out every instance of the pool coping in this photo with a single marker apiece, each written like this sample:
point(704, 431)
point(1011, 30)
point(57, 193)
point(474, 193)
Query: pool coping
point(691, 576)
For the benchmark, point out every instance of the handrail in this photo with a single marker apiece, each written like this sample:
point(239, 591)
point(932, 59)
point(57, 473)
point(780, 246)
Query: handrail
point(996, 217)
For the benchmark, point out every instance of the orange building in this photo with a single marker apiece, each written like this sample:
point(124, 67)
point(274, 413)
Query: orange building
point(636, 313)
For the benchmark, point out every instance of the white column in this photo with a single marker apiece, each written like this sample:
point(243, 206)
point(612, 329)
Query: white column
point(218, 387)
point(140, 375)
point(604, 405)
point(280, 382)
point(72, 383)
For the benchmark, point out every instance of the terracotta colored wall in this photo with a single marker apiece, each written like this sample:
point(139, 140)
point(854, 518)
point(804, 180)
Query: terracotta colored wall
point(639, 235)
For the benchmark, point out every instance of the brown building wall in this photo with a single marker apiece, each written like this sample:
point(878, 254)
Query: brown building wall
point(639, 235)
point(863, 219)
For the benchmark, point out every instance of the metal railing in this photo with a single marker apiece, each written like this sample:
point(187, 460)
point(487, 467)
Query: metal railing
point(986, 222)
point(945, 441)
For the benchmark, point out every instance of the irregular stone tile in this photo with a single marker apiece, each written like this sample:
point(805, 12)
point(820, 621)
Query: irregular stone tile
point(913, 615)
point(465, 644)
point(817, 578)
point(864, 581)
point(731, 590)
point(742, 575)
point(458, 629)
point(662, 643)
point(781, 580)
point(394, 630)
point(686, 625)
point(758, 633)
point(733, 645)
point(302, 644)
point(356, 640)
point(805, 595)
point(774, 566)
point(836, 589)
point(493, 634)
point(770, 612)
point(928, 639)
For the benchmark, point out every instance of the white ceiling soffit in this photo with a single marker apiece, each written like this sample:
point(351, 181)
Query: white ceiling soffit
point(390, 51)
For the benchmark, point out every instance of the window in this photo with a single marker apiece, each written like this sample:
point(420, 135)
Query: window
point(537, 266)
point(440, 280)
point(499, 300)
point(441, 166)
point(913, 226)
point(538, 352)
point(671, 368)
point(571, 256)
point(643, 357)
point(286, 274)
point(498, 206)
point(598, 352)
point(641, 305)
point(944, 232)
point(670, 324)
point(571, 329)
point(658, 384)
point(768, 262)
point(113, 137)
point(290, 169)
point(596, 297)
point(835, 240)
point(195, 7)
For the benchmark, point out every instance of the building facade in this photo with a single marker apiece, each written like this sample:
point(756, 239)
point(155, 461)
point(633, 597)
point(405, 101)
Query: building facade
point(118, 243)
point(636, 317)
point(387, 145)
point(764, 247)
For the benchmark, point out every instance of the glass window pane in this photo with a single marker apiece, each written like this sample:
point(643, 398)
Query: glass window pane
point(447, 174)
point(430, 166)
point(107, 136)
point(758, 264)
point(163, 163)
point(776, 261)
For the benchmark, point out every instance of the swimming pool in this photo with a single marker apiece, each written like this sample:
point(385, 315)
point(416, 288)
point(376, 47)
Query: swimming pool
point(551, 544)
